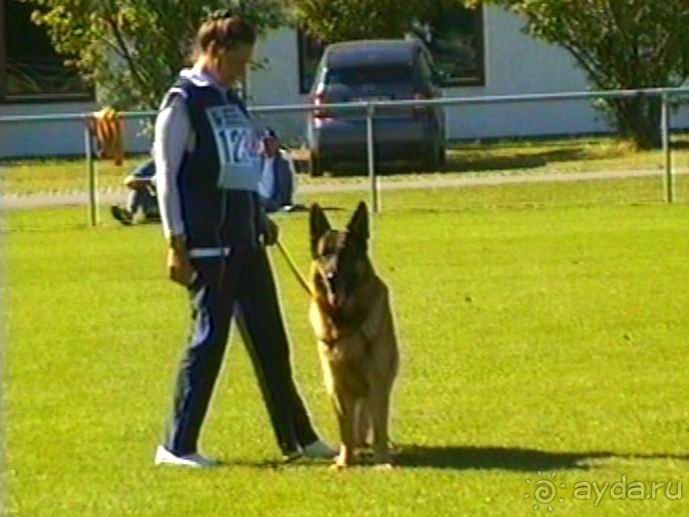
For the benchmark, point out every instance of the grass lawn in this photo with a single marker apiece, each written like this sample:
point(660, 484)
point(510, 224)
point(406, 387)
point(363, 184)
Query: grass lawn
point(481, 159)
point(543, 330)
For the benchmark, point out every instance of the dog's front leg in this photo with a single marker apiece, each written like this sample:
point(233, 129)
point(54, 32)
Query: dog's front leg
point(345, 406)
point(364, 430)
point(380, 414)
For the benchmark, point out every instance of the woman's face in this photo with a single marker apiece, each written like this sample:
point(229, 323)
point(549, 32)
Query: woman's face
point(270, 146)
point(233, 62)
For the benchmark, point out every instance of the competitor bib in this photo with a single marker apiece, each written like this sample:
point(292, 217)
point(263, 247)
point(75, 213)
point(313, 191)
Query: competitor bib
point(238, 147)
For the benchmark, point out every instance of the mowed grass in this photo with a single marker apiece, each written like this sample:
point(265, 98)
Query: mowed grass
point(464, 160)
point(543, 330)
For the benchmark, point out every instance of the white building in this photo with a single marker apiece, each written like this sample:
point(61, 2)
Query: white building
point(482, 53)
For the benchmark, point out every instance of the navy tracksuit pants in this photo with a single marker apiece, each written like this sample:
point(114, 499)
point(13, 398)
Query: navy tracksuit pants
point(241, 285)
point(144, 199)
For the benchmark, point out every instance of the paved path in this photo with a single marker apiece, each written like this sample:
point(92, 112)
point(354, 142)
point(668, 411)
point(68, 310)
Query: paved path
point(81, 198)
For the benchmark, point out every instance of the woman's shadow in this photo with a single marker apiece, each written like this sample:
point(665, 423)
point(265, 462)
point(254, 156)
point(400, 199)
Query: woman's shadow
point(508, 458)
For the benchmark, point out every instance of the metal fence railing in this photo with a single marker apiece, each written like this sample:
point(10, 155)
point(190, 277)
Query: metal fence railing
point(371, 108)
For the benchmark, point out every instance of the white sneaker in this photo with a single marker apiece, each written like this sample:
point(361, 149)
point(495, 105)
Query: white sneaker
point(319, 450)
point(194, 461)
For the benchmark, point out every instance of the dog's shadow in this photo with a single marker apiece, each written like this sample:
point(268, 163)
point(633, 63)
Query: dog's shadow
point(455, 457)
point(508, 458)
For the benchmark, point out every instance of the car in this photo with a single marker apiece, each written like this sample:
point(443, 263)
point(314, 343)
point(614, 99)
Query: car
point(375, 70)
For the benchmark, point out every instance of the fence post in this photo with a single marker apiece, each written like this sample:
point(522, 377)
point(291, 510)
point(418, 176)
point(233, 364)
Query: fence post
point(667, 152)
point(91, 171)
point(370, 111)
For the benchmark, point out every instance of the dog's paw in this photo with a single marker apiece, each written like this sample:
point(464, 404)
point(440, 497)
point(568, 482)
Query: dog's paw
point(383, 466)
point(339, 467)
point(342, 461)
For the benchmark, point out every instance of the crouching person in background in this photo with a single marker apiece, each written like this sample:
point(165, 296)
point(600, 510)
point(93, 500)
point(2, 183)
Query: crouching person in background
point(278, 178)
point(142, 201)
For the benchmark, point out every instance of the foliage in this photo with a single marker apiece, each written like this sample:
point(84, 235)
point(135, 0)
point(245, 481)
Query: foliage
point(627, 44)
point(340, 20)
point(134, 48)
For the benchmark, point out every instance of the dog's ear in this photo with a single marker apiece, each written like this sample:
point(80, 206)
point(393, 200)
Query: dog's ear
point(358, 225)
point(319, 224)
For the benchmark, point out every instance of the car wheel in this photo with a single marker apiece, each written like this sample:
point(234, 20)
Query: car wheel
point(433, 158)
point(442, 157)
point(315, 164)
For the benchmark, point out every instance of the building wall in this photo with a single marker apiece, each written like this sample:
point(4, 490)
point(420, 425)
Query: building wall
point(278, 83)
point(515, 63)
point(42, 138)
point(28, 139)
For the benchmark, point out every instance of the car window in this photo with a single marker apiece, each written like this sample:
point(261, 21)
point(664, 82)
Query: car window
point(369, 75)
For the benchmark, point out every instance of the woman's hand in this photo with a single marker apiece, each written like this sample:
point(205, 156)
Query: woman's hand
point(178, 264)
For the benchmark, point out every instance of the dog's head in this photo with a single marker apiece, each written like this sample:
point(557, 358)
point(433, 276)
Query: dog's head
point(340, 259)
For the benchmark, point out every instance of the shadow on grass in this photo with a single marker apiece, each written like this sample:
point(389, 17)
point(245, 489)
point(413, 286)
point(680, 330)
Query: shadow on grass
point(274, 464)
point(475, 160)
point(680, 145)
point(477, 458)
point(509, 458)
point(471, 161)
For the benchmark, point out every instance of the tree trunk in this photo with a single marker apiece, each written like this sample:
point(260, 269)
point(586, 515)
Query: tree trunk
point(639, 120)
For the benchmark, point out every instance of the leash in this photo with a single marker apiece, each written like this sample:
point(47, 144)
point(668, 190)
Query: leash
point(300, 278)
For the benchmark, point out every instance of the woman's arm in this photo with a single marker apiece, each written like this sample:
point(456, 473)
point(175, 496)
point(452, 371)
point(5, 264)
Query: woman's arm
point(173, 137)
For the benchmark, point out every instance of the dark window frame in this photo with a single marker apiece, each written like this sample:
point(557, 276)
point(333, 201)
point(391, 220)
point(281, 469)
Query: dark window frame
point(480, 79)
point(3, 51)
point(32, 98)
point(304, 87)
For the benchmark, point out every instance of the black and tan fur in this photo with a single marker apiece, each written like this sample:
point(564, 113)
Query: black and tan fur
point(352, 319)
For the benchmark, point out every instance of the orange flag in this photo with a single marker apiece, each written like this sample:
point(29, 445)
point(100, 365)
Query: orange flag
point(108, 128)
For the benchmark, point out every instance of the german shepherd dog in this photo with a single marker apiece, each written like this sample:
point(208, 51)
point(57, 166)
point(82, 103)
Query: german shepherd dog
point(351, 317)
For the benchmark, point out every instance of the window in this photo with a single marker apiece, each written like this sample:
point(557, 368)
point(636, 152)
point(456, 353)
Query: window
point(454, 38)
point(360, 75)
point(30, 69)
point(310, 52)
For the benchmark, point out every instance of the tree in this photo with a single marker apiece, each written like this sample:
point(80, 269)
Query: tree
point(620, 44)
point(133, 49)
point(628, 44)
point(341, 20)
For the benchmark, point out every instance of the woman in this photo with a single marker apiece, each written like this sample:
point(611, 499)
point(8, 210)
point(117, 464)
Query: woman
point(208, 169)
